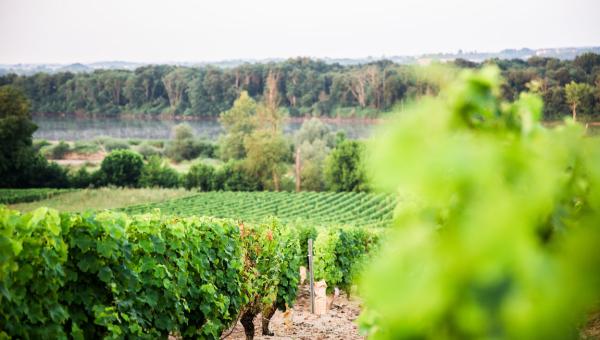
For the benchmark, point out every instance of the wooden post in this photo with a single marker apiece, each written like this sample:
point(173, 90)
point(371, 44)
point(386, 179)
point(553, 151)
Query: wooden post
point(312, 279)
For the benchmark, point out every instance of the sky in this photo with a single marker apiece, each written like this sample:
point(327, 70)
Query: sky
point(68, 31)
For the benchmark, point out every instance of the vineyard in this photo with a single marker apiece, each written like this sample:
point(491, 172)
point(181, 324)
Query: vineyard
point(113, 275)
point(12, 196)
point(319, 209)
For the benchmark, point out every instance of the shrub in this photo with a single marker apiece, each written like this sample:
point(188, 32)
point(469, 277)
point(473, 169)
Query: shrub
point(233, 176)
point(345, 168)
point(57, 151)
point(201, 176)
point(122, 168)
point(113, 276)
point(156, 173)
point(84, 179)
point(147, 150)
point(185, 147)
point(116, 144)
point(339, 254)
point(86, 148)
point(38, 144)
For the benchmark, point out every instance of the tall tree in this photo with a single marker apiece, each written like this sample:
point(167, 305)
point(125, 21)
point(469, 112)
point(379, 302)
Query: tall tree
point(238, 123)
point(577, 95)
point(266, 149)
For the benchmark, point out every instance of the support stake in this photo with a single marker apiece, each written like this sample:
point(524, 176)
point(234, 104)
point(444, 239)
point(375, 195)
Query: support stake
point(312, 279)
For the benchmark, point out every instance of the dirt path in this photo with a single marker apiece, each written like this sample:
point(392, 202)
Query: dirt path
point(338, 323)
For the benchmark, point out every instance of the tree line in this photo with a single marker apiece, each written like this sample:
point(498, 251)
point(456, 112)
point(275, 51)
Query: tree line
point(305, 86)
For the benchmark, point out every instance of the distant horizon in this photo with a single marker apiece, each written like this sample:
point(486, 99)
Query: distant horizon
point(372, 57)
point(87, 31)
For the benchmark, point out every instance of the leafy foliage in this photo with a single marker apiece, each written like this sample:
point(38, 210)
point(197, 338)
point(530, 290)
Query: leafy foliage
point(339, 255)
point(109, 275)
point(156, 173)
point(306, 86)
point(201, 176)
point(20, 164)
point(122, 168)
point(345, 168)
point(502, 240)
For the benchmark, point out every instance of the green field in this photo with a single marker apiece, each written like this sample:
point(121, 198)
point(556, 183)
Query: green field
point(12, 196)
point(99, 199)
point(358, 209)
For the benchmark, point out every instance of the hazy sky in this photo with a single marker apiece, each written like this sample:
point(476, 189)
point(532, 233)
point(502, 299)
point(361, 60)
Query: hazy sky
point(67, 31)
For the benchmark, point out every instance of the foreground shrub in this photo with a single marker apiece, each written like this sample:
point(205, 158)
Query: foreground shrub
point(502, 239)
point(122, 168)
point(109, 275)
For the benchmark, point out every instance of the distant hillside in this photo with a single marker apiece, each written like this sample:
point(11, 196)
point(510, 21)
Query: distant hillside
point(563, 53)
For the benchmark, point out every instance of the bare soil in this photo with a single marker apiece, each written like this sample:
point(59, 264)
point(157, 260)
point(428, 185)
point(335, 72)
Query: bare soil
point(338, 323)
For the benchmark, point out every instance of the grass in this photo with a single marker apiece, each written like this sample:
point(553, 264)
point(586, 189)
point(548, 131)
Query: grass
point(103, 198)
point(13, 196)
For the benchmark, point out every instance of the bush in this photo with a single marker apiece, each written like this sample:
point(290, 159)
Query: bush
point(57, 151)
point(185, 147)
point(122, 168)
point(156, 173)
point(345, 168)
point(233, 176)
point(85, 148)
point(38, 144)
point(84, 179)
point(339, 255)
point(116, 144)
point(113, 276)
point(147, 150)
point(201, 176)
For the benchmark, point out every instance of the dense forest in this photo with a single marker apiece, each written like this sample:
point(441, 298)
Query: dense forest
point(306, 87)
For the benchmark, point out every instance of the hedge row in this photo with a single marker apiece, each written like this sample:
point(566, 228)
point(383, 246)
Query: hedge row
point(340, 254)
point(110, 275)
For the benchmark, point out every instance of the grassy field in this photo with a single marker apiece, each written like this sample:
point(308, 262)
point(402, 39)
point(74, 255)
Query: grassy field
point(328, 208)
point(104, 198)
point(12, 196)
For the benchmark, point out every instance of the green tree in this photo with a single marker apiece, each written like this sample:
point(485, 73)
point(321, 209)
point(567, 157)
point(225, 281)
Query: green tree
point(20, 165)
point(266, 148)
point(122, 168)
point(238, 123)
point(201, 176)
point(182, 146)
point(579, 95)
point(157, 173)
point(265, 156)
point(234, 176)
point(313, 142)
point(345, 169)
point(16, 128)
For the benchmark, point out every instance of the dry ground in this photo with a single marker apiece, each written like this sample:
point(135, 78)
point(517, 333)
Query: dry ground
point(338, 323)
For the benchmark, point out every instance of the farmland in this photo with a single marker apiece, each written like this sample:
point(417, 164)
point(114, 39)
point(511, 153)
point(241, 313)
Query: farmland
point(358, 209)
point(11, 196)
point(91, 199)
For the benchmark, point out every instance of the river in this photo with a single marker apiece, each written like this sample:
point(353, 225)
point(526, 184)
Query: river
point(71, 128)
